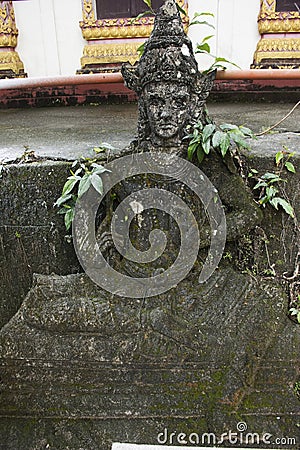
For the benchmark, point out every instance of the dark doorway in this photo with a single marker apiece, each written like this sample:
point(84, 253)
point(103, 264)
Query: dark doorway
point(123, 8)
point(287, 5)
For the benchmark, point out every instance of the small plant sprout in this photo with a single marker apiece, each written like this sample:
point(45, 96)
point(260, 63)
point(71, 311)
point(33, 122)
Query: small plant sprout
point(204, 47)
point(296, 311)
point(84, 174)
point(269, 185)
point(104, 147)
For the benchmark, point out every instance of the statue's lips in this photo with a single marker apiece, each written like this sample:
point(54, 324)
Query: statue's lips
point(167, 126)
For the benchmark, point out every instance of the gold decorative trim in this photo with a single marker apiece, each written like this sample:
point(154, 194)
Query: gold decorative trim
point(8, 29)
point(109, 29)
point(109, 53)
point(10, 62)
point(272, 21)
point(94, 29)
point(277, 49)
point(267, 6)
point(281, 23)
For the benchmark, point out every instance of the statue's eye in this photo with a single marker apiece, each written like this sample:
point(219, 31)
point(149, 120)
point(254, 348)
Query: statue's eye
point(179, 102)
point(156, 101)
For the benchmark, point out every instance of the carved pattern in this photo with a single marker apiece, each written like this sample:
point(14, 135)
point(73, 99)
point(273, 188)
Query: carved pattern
point(267, 6)
point(123, 28)
point(10, 62)
point(109, 53)
point(8, 29)
point(277, 22)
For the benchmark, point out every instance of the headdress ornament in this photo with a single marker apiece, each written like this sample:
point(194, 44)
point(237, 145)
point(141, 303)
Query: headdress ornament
point(168, 54)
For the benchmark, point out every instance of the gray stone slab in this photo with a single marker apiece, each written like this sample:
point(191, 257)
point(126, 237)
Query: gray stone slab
point(71, 132)
point(66, 133)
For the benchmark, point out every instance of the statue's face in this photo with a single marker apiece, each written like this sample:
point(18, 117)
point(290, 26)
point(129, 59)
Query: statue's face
point(167, 106)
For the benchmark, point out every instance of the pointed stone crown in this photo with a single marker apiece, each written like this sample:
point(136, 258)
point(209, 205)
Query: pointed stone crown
point(168, 54)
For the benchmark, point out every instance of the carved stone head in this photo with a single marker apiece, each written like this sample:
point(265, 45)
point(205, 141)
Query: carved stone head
point(171, 90)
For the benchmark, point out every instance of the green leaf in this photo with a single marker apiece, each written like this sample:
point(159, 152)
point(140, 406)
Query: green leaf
point(278, 157)
point(141, 49)
point(208, 131)
point(197, 14)
point(228, 127)
point(254, 170)
point(246, 131)
point(203, 48)
point(271, 191)
point(293, 311)
point(206, 38)
point(142, 14)
point(217, 138)
point(218, 60)
point(99, 149)
point(284, 204)
point(70, 184)
point(201, 22)
point(148, 3)
point(206, 146)
point(107, 146)
point(200, 154)
point(84, 184)
point(239, 140)
point(191, 150)
point(224, 144)
point(98, 168)
point(181, 10)
point(264, 200)
point(260, 184)
point(290, 167)
point(63, 199)
point(271, 176)
point(97, 183)
point(69, 217)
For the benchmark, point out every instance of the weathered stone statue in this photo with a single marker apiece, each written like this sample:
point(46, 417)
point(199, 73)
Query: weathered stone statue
point(170, 88)
point(195, 351)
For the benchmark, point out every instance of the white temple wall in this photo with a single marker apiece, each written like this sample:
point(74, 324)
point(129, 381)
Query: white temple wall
point(50, 41)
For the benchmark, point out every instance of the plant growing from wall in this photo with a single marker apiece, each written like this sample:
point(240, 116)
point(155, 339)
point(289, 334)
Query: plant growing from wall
point(203, 138)
point(295, 311)
point(269, 185)
point(84, 173)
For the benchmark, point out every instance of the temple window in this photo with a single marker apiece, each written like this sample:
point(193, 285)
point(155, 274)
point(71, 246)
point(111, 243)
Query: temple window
point(122, 8)
point(113, 36)
point(287, 5)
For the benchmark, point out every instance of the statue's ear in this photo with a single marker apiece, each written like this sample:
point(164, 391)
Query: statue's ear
point(205, 83)
point(131, 78)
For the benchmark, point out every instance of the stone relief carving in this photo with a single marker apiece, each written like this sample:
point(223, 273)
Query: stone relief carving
point(87, 348)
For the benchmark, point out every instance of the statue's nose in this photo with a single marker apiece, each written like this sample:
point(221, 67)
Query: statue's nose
point(166, 113)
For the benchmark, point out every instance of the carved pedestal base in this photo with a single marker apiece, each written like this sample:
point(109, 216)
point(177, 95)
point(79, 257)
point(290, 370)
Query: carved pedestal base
point(11, 65)
point(279, 53)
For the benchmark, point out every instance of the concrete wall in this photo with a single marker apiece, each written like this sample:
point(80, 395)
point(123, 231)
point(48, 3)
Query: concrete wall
point(50, 41)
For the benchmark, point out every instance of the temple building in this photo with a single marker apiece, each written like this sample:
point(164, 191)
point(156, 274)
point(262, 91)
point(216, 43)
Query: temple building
point(39, 38)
